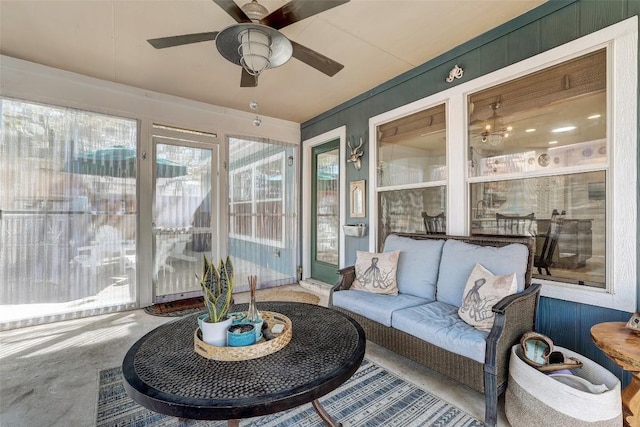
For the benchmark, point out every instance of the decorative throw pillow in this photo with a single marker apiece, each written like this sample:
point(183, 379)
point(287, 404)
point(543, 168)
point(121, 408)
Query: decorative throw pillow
point(482, 292)
point(376, 273)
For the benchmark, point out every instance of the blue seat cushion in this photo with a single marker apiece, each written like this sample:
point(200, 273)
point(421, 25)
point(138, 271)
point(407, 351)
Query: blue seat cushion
point(438, 323)
point(459, 259)
point(418, 264)
point(376, 307)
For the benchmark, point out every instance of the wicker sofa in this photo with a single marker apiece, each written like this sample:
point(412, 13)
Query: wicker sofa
point(480, 365)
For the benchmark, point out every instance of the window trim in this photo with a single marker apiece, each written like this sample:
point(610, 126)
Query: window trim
point(621, 40)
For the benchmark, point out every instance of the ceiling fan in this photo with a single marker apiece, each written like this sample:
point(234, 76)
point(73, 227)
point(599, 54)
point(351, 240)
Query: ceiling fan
point(255, 43)
point(494, 132)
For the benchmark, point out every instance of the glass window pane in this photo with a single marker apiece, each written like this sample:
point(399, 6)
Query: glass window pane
point(242, 219)
point(327, 215)
point(579, 256)
point(401, 210)
point(241, 191)
point(269, 221)
point(412, 149)
point(552, 119)
point(269, 180)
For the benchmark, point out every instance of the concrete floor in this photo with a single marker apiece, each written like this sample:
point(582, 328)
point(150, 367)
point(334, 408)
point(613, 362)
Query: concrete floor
point(49, 373)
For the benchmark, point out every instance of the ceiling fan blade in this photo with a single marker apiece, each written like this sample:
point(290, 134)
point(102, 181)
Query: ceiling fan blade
point(247, 80)
point(233, 9)
point(297, 10)
point(172, 41)
point(315, 59)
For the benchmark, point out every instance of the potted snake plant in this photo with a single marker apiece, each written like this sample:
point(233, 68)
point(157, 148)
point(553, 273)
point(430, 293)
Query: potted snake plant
point(217, 288)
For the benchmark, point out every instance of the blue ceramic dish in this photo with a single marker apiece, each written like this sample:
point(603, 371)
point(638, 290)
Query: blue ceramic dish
point(241, 335)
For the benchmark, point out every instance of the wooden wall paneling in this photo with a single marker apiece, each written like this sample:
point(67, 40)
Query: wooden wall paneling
point(560, 27)
point(557, 319)
point(470, 63)
point(523, 43)
point(568, 324)
point(439, 75)
point(493, 56)
point(633, 8)
point(586, 319)
point(595, 15)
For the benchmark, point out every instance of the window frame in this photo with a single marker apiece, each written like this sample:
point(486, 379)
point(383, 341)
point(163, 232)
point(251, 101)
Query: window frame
point(621, 41)
point(253, 166)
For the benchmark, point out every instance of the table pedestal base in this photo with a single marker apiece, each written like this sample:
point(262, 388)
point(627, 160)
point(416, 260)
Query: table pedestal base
point(328, 419)
point(631, 402)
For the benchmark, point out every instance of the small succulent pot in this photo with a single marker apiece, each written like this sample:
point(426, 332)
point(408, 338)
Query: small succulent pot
point(238, 317)
point(215, 333)
point(201, 319)
point(241, 334)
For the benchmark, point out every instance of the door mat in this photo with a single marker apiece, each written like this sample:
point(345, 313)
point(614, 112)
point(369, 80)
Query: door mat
point(196, 304)
point(372, 397)
point(176, 308)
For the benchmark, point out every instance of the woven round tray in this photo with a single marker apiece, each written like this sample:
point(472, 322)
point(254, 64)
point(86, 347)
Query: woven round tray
point(259, 349)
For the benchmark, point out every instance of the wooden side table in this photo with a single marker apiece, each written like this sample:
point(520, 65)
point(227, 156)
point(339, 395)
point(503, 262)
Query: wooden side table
point(623, 347)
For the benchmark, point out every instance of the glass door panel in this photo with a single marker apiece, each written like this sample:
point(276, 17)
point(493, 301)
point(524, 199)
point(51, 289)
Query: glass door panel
point(185, 219)
point(325, 222)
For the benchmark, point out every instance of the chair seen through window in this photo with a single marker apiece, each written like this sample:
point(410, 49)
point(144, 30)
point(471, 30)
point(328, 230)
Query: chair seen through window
point(436, 224)
point(545, 258)
point(515, 224)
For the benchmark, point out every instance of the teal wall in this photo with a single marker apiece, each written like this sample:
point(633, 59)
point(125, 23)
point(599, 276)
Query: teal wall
point(550, 25)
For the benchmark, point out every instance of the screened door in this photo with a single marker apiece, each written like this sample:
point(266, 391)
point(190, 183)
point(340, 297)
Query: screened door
point(263, 211)
point(67, 213)
point(185, 211)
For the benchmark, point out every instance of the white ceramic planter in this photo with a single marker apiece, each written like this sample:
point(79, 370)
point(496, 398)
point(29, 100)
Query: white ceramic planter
point(216, 333)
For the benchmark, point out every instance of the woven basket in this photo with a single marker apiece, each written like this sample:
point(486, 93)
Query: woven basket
point(534, 399)
point(259, 349)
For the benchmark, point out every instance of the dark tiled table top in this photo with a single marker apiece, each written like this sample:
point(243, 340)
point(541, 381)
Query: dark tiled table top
point(163, 373)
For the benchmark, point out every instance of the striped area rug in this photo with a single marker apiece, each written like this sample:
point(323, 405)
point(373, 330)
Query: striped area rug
point(372, 397)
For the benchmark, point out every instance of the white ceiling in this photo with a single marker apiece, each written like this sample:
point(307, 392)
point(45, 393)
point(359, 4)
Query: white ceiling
point(375, 40)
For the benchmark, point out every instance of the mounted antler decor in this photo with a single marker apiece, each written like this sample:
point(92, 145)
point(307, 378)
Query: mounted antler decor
point(356, 153)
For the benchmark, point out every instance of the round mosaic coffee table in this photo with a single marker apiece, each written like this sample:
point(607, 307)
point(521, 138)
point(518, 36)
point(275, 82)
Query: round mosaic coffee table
point(164, 374)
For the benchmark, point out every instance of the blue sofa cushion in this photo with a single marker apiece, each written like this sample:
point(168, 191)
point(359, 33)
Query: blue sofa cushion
point(438, 323)
point(459, 259)
point(418, 264)
point(376, 307)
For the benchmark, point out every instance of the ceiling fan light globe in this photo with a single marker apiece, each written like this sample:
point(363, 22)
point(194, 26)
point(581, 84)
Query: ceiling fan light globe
point(495, 140)
point(255, 51)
